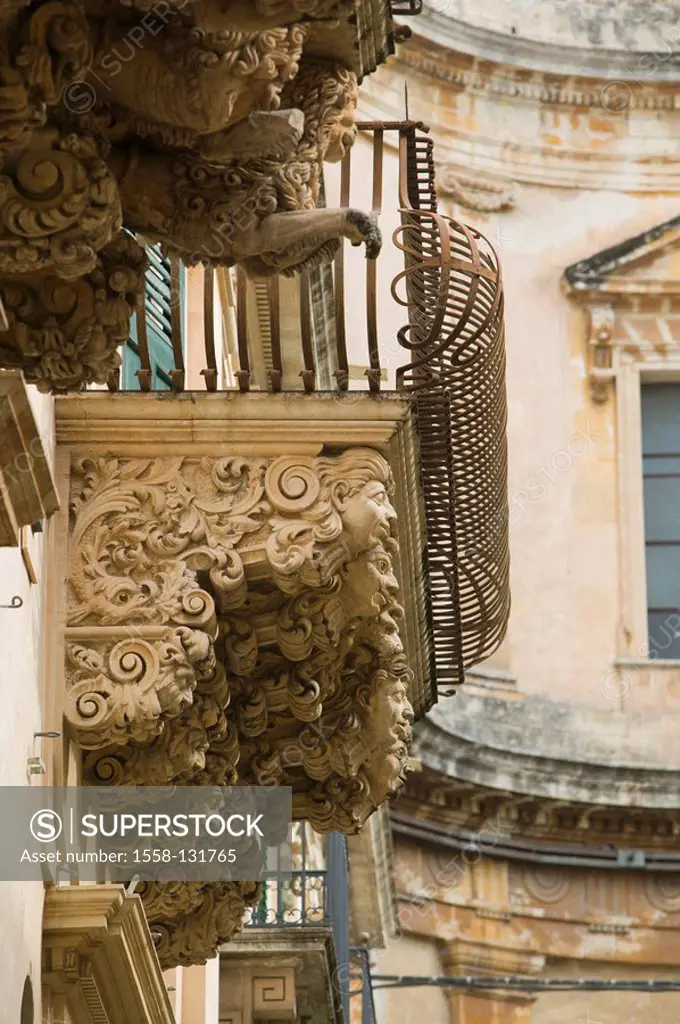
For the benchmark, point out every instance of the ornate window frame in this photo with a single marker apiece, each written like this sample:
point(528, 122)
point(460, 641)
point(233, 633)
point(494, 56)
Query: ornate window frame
point(633, 325)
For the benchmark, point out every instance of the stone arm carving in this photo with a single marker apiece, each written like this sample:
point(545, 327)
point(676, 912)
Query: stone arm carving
point(207, 224)
point(258, 213)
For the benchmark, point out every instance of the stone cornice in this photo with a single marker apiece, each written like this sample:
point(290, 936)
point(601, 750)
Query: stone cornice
point(522, 774)
point(494, 76)
point(131, 423)
point(99, 953)
point(473, 139)
point(540, 55)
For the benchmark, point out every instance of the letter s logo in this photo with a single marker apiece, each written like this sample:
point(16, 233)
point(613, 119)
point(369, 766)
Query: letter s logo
point(46, 826)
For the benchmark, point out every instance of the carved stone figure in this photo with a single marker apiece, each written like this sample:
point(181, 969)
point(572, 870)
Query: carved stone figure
point(260, 213)
point(288, 669)
point(178, 85)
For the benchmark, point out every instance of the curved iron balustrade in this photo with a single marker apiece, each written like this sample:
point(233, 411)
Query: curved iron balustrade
point(451, 286)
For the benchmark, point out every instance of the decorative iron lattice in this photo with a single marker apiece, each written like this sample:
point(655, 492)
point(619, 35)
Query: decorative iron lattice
point(451, 286)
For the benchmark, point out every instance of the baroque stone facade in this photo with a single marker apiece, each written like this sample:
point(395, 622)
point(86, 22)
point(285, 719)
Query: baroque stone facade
point(540, 836)
point(201, 125)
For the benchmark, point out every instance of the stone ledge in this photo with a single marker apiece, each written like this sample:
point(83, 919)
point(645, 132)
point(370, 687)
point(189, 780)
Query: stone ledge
point(27, 490)
point(99, 958)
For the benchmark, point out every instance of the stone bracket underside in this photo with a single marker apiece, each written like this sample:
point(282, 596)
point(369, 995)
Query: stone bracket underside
point(238, 619)
point(209, 143)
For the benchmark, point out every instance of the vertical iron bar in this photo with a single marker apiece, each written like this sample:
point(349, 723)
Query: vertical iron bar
point(144, 371)
point(210, 370)
point(338, 911)
point(308, 372)
point(373, 373)
point(342, 372)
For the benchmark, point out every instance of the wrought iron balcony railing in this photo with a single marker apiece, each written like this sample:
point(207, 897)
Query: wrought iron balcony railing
point(316, 895)
point(303, 334)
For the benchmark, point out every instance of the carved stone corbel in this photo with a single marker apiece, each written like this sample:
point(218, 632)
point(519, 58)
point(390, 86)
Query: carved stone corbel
point(190, 921)
point(42, 55)
point(283, 666)
point(601, 368)
point(59, 206)
point(67, 333)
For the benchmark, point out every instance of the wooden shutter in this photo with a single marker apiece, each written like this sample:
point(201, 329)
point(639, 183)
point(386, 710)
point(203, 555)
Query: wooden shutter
point(158, 327)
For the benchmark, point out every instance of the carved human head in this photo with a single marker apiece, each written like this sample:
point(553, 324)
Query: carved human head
point(387, 733)
point(360, 483)
point(327, 93)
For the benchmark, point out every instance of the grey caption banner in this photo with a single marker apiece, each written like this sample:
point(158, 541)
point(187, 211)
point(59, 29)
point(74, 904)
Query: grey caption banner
point(161, 834)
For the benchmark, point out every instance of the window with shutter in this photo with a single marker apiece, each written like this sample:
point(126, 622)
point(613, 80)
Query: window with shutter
point(661, 471)
point(157, 304)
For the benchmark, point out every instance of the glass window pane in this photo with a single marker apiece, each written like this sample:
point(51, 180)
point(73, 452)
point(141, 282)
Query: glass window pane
point(661, 418)
point(664, 634)
point(662, 509)
point(663, 576)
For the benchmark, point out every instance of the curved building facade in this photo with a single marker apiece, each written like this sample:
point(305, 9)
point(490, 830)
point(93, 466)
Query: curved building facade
point(539, 837)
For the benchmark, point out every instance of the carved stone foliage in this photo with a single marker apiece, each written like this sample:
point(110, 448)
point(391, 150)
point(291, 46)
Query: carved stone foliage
point(189, 920)
point(237, 619)
point(475, 191)
point(48, 50)
point(202, 126)
point(66, 333)
point(60, 206)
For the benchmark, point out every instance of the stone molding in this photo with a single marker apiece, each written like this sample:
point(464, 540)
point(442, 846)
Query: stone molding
point(475, 191)
point(290, 971)
point(99, 958)
point(477, 37)
point(27, 489)
point(631, 311)
point(472, 139)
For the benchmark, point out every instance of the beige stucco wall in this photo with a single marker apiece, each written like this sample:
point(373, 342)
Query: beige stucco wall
point(21, 688)
point(582, 179)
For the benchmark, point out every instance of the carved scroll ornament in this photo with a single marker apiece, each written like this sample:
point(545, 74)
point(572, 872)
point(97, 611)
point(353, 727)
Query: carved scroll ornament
point(66, 333)
point(238, 619)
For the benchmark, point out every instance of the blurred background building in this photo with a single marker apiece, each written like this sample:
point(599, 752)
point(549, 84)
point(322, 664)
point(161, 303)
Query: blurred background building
point(540, 837)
